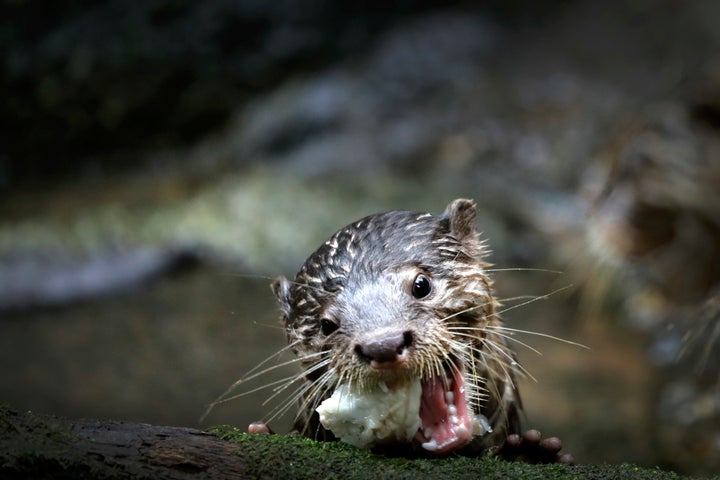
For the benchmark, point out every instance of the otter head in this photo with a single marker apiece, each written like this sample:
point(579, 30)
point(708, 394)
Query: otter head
point(401, 295)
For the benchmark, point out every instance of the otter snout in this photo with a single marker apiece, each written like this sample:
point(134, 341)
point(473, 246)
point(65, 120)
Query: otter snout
point(384, 349)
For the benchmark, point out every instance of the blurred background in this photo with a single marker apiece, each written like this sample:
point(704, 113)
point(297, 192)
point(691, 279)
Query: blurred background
point(162, 161)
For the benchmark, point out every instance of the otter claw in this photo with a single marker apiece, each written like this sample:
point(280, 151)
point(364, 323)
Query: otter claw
point(532, 448)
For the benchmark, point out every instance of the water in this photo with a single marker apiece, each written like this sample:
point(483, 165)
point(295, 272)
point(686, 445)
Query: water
point(158, 354)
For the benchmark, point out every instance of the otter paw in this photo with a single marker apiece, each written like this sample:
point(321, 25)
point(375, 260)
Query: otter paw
point(532, 448)
point(259, 428)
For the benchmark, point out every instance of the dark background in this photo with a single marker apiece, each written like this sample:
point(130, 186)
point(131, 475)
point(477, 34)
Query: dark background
point(162, 161)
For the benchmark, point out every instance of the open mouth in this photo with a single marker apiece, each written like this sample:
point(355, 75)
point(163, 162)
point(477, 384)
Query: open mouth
point(446, 424)
point(432, 413)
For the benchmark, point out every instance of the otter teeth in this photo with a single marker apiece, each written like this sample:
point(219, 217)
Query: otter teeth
point(456, 425)
point(445, 415)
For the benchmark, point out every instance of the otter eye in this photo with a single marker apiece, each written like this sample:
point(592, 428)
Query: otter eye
point(421, 286)
point(328, 326)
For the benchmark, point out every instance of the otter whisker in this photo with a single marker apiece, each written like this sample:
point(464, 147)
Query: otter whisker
point(264, 371)
point(432, 365)
point(321, 389)
point(535, 299)
point(506, 352)
point(282, 382)
point(255, 373)
point(448, 360)
point(488, 388)
point(282, 408)
point(524, 269)
point(531, 298)
point(537, 334)
point(224, 398)
point(490, 367)
point(300, 376)
point(477, 394)
point(447, 363)
point(296, 395)
point(287, 348)
point(316, 391)
point(513, 362)
point(504, 335)
point(516, 298)
point(317, 400)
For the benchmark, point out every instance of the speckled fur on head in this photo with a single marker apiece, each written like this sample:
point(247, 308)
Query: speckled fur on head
point(355, 293)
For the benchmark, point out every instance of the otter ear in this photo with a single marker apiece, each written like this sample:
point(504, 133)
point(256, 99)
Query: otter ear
point(281, 288)
point(461, 216)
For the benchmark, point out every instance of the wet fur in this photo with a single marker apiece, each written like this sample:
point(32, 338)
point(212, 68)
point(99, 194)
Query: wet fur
point(360, 280)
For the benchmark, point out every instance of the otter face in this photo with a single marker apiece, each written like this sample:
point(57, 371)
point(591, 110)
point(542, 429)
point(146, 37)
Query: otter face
point(399, 297)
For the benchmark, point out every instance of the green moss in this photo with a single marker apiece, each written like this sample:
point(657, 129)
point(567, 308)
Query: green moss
point(38, 447)
point(284, 456)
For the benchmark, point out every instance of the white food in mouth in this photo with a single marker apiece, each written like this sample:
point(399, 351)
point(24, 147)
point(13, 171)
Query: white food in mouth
point(365, 418)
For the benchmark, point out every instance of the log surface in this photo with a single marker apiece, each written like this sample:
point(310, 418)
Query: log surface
point(42, 446)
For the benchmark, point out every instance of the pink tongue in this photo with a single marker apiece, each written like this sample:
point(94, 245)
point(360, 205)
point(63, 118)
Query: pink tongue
point(446, 424)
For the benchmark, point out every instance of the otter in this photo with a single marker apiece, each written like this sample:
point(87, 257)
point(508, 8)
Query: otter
point(401, 302)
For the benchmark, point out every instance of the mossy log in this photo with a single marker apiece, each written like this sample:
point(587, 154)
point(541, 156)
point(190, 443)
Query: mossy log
point(40, 446)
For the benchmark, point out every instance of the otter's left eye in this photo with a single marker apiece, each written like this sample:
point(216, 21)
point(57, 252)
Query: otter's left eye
point(328, 326)
point(421, 287)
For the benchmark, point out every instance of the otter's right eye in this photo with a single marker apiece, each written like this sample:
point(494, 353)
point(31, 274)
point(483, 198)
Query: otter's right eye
point(421, 286)
point(328, 326)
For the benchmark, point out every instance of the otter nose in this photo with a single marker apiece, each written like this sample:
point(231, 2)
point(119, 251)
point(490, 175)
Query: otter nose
point(385, 350)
